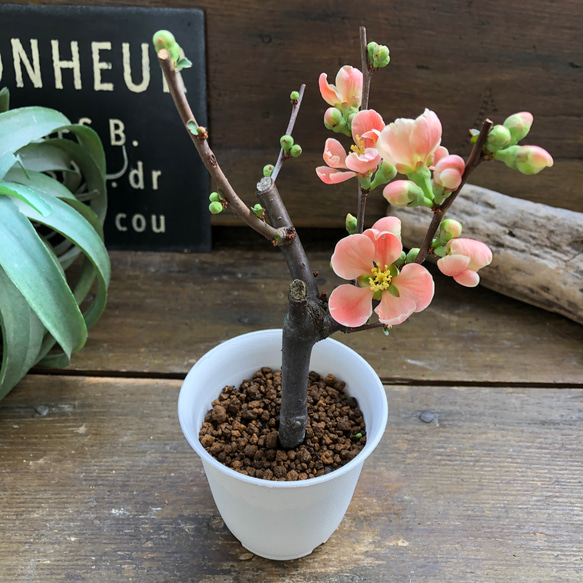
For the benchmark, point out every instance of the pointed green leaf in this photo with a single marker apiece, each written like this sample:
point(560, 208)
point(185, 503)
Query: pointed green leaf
point(27, 195)
point(22, 335)
point(19, 127)
point(39, 278)
point(73, 226)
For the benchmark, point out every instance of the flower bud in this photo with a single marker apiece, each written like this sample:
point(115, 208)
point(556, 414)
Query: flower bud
point(498, 137)
point(525, 159)
point(448, 172)
point(294, 95)
point(332, 118)
point(268, 170)
point(351, 224)
point(412, 255)
point(519, 125)
point(378, 55)
point(286, 143)
point(296, 151)
point(215, 208)
point(385, 173)
point(404, 193)
point(449, 229)
point(215, 197)
point(164, 39)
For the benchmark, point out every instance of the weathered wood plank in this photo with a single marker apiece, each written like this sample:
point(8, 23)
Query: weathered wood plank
point(166, 310)
point(538, 249)
point(105, 488)
point(464, 60)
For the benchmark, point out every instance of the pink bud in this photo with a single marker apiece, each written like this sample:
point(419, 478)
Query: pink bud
point(465, 257)
point(402, 193)
point(448, 172)
point(532, 159)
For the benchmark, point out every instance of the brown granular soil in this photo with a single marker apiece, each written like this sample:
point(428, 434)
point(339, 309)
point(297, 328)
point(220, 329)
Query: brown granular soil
point(240, 430)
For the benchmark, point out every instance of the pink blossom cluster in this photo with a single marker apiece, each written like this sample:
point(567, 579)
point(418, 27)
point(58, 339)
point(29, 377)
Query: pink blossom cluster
point(385, 279)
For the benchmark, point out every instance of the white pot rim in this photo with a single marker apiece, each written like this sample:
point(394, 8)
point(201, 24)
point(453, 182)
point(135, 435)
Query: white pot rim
point(310, 482)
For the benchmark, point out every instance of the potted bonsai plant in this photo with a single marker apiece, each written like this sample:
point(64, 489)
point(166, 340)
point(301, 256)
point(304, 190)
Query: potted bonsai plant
point(282, 477)
point(52, 206)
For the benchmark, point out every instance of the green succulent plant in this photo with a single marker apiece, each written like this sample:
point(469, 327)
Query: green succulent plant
point(53, 201)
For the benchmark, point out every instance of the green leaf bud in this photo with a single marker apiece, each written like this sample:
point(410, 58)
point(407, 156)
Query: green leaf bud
point(183, 63)
point(163, 39)
point(296, 151)
point(294, 96)
point(258, 210)
point(215, 208)
point(351, 224)
point(268, 169)
point(286, 143)
point(498, 138)
point(412, 255)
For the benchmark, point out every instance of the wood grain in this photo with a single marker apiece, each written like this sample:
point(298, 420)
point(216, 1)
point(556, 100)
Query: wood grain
point(105, 488)
point(465, 60)
point(165, 310)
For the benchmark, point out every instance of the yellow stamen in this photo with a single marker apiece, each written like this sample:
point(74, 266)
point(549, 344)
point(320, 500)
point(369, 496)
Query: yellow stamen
point(380, 279)
point(359, 146)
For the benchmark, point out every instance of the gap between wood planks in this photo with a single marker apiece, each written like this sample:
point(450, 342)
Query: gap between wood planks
point(394, 381)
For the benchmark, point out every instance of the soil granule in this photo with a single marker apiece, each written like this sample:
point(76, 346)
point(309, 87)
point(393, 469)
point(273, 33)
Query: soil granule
point(240, 430)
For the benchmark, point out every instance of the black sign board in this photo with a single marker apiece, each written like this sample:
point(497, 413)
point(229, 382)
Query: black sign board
point(98, 66)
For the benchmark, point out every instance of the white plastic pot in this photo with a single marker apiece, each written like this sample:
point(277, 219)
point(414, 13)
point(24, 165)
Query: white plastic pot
point(280, 520)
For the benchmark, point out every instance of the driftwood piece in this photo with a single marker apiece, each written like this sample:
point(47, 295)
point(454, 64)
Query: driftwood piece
point(538, 249)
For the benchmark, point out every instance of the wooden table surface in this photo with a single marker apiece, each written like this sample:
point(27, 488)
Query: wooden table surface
point(97, 482)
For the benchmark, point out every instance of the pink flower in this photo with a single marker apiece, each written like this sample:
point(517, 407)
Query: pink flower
point(369, 257)
point(464, 258)
point(448, 172)
point(407, 143)
point(348, 89)
point(362, 160)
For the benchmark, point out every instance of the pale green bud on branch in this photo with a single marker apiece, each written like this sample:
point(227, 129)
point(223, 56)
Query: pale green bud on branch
point(519, 125)
point(268, 170)
point(378, 55)
point(499, 137)
point(215, 208)
point(351, 224)
point(296, 151)
point(286, 143)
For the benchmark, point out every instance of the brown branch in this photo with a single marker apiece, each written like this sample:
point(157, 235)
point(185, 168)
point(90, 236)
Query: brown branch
point(292, 249)
point(366, 72)
point(475, 158)
point(288, 132)
point(207, 156)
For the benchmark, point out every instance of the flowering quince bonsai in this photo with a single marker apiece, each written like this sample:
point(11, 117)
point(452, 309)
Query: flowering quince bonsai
point(381, 277)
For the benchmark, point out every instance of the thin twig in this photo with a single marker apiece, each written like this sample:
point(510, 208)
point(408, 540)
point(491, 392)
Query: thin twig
point(475, 158)
point(366, 76)
point(207, 156)
point(364, 327)
point(288, 132)
point(366, 72)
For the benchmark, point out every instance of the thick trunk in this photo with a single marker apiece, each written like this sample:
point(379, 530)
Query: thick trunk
point(306, 322)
